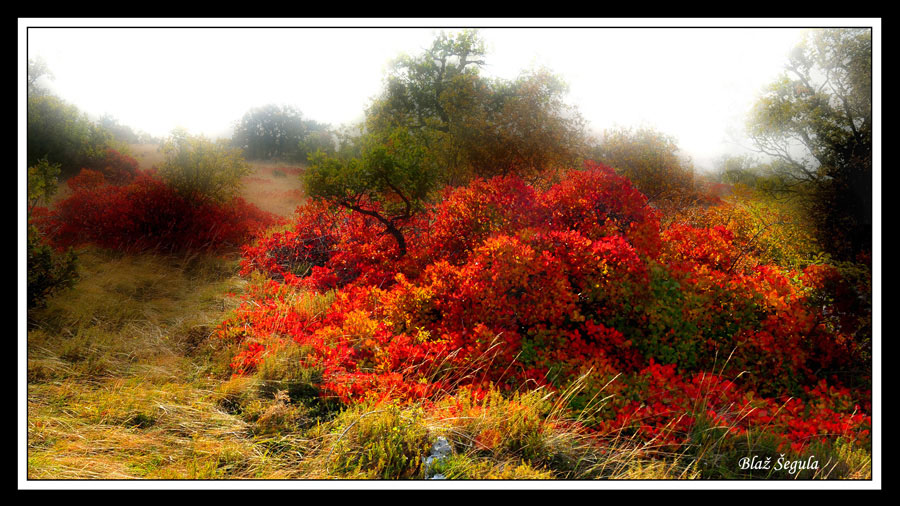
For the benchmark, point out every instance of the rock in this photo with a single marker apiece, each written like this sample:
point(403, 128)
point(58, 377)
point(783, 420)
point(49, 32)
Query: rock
point(440, 450)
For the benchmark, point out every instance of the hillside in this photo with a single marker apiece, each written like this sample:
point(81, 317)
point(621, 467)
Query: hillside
point(145, 387)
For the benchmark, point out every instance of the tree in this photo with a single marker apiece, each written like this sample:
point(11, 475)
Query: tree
point(815, 122)
point(62, 134)
point(525, 128)
point(474, 126)
point(389, 182)
point(440, 122)
point(278, 131)
point(319, 137)
point(420, 89)
point(200, 168)
point(123, 133)
point(42, 182)
point(651, 160)
point(48, 271)
point(37, 69)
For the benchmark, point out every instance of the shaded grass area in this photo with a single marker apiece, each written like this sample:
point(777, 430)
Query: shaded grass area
point(122, 378)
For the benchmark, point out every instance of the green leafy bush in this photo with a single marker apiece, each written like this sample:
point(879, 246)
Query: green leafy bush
point(48, 272)
point(61, 133)
point(200, 169)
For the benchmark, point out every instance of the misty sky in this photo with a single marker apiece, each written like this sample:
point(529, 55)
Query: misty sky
point(694, 84)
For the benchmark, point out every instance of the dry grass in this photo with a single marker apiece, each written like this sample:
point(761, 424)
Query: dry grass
point(274, 186)
point(122, 377)
point(147, 155)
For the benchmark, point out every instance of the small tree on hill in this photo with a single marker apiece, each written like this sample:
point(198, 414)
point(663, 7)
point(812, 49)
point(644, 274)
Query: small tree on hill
point(280, 132)
point(389, 182)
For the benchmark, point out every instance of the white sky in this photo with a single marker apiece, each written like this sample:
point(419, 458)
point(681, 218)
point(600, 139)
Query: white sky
point(696, 84)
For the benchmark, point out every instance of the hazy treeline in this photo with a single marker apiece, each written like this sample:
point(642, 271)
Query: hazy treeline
point(439, 120)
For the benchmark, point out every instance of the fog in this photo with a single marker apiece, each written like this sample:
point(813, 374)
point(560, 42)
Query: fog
point(696, 84)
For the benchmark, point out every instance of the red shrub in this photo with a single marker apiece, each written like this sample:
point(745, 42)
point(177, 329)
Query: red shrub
point(116, 167)
point(509, 285)
point(147, 214)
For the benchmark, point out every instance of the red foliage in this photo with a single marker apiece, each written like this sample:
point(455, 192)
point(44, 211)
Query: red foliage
point(670, 405)
point(147, 214)
point(509, 285)
point(116, 167)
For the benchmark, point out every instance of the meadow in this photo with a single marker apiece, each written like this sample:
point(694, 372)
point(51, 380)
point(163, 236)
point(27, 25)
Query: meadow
point(142, 369)
point(468, 286)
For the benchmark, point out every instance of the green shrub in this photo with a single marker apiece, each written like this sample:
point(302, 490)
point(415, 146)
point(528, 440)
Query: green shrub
point(200, 168)
point(61, 133)
point(385, 442)
point(48, 271)
point(465, 467)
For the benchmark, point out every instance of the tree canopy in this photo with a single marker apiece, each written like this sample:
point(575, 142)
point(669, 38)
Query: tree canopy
point(473, 125)
point(650, 159)
point(438, 122)
point(279, 131)
point(37, 68)
point(61, 133)
point(815, 122)
point(389, 182)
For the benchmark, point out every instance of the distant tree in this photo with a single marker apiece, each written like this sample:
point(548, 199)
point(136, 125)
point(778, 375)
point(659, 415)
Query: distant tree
point(738, 169)
point(200, 168)
point(760, 177)
point(123, 133)
point(318, 137)
point(650, 159)
point(471, 125)
point(62, 134)
point(37, 69)
point(815, 122)
point(524, 127)
point(279, 131)
point(146, 138)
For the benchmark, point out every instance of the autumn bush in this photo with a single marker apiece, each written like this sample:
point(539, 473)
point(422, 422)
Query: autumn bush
point(116, 167)
point(508, 286)
point(147, 214)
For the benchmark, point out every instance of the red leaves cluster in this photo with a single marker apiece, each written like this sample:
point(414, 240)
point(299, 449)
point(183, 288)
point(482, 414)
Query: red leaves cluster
point(117, 168)
point(669, 405)
point(511, 285)
point(147, 214)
